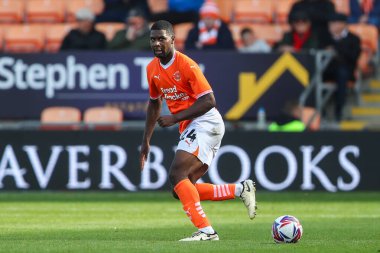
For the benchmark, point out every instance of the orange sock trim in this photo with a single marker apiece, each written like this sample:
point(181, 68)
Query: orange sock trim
point(189, 197)
point(215, 192)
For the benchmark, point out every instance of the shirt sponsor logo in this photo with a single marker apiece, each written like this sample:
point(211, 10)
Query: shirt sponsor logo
point(173, 94)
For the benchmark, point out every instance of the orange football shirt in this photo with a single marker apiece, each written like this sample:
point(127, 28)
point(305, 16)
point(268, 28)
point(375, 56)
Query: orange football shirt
point(180, 82)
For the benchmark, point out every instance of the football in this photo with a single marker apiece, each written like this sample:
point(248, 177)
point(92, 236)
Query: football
point(286, 229)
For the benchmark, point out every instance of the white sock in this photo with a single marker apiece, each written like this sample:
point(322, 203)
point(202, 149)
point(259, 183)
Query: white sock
point(238, 189)
point(207, 230)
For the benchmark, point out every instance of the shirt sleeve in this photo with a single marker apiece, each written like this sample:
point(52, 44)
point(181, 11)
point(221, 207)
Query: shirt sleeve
point(198, 82)
point(153, 91)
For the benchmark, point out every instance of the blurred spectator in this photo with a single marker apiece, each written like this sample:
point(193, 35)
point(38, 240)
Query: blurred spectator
point(289, 119)
point(251, 44)
point(301, 37)
point(180, 11)
point(318, 12)
point(116, 10)
point(135, 36)
point(341, 69)
point(84, 37)
point(210, 32)
point(365, 11)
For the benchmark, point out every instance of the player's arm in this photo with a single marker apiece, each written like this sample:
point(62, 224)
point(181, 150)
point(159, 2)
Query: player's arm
point(153, 113)
point(202, 105)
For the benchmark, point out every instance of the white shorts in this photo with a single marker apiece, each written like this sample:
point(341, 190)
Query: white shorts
point(203, 136)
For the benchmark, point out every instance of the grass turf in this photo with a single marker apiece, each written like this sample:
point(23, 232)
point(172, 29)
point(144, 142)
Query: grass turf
point(153, 222)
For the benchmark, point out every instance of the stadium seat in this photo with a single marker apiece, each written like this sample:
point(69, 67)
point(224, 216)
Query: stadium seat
point(271, 33)
point(342, 6)
point(55, 34)
point(157, 6)
point(11, 11)
point(3, 27)
point(40, 11)
point(281, 9)
point(181, 31)
point(24, 38)
point(103, 118)
point(259, 11)
point(73, 6)
point(226, 9)
point(60, 118)
point(110, 28)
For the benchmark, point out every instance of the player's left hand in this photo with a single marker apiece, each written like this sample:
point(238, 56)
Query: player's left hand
point(166, 120)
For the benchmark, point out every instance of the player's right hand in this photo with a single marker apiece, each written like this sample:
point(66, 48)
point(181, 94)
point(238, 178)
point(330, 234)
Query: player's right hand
point(144, 151)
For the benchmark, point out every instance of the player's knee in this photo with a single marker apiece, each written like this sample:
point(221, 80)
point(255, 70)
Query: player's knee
point(175, 194)
point(174, 177)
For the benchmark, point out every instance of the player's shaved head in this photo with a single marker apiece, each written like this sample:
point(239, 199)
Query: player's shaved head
point(163, 25)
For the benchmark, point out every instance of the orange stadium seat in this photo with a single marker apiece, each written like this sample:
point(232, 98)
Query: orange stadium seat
point(271, 33)
point(3, 28)
point(181, 31)
point(55, 34)
point(110, 28)
point(226, 9)
point(1, 38)
point(51, 11)
point(282, 9)
point(60, 118)
point(11, 11)
point(157, 6)
point(24, 38)
point(253, 11)
point(342, 6)
point(72, 6)
point(103, 118)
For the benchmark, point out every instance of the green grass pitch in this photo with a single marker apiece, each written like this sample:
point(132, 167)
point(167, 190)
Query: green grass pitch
point(153, 222)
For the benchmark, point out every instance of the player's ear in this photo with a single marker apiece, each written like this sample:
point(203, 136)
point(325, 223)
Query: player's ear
point(173, 38)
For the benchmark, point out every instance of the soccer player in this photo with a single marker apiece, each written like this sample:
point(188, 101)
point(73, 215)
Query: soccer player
point(178, 79)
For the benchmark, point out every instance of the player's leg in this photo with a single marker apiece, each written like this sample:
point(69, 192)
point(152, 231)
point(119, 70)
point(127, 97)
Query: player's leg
point(245, 190)
point(208, 145)
point(180, 169)
point(194, 176)
point(210, 191)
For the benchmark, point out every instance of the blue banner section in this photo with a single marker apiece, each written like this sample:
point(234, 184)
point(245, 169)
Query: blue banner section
point(242, 82)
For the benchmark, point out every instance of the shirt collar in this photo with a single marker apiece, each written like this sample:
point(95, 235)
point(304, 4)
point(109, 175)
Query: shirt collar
point(167, 65)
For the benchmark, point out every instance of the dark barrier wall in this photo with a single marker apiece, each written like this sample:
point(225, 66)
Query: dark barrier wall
point(119, 79)
point(109, 160)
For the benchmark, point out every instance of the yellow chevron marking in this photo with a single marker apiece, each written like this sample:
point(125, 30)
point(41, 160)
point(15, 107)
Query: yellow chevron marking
point(251, 90)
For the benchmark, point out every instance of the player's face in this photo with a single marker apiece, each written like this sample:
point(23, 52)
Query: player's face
point(161, 43)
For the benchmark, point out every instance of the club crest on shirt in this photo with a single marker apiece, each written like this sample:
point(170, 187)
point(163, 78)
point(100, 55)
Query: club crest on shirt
point(177, 76)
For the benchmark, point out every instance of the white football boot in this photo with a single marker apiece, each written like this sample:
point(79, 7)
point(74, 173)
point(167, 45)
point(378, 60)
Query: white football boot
point(248, 196)
point(201, 236)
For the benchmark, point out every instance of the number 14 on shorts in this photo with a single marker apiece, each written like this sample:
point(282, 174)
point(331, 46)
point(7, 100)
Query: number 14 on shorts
point(189, 135)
